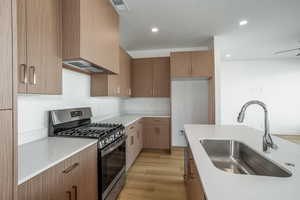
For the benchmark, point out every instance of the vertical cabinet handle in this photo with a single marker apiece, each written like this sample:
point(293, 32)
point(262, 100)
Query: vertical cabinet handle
point(32, 75)
point(69, 195)
point(157, 130)
point(131, 140)
point(129, 91)
point(75, 191)
point(23, 73)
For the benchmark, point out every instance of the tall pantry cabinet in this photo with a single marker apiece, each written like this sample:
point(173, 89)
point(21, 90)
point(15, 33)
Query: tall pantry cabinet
point(8, 144)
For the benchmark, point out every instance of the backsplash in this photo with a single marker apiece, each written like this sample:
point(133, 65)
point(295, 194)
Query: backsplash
point(33, 109)
point(146, 105)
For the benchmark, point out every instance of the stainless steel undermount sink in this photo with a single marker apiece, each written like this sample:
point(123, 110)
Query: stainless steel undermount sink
point(238, 158)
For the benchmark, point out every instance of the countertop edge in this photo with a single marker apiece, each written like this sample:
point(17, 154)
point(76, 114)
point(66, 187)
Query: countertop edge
point(27, 178)
point(135, 117)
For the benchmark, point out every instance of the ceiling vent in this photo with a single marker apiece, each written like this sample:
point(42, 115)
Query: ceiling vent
point(120, 6)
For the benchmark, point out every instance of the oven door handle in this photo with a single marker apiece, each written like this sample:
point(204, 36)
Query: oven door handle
point(115, 146)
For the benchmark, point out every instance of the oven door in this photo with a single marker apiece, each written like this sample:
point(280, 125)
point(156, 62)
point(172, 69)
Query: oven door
point(113, 161)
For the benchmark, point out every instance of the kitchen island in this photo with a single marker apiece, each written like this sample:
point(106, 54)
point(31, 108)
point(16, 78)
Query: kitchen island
point(218, 184)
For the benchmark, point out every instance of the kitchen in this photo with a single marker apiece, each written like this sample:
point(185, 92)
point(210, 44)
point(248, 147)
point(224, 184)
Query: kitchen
point(122, 100)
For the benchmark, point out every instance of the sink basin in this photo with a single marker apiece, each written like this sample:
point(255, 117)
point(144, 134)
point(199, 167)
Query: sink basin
point(238, 158)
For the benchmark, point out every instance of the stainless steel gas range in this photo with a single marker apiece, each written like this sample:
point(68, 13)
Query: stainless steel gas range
point(111, 145)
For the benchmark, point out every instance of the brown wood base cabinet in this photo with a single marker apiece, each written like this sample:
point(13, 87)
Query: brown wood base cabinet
point(149, 134)
point(6, 155)
point(134, 142)
point(194, 189)
point(156, 133)
point(73, 179)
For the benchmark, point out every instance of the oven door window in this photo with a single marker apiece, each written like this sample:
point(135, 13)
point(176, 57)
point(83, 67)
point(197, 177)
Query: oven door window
point(111, 165)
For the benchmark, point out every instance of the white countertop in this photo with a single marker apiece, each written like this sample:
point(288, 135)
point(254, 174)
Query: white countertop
point(128, 119)
point(221, 185)
point(38, 156)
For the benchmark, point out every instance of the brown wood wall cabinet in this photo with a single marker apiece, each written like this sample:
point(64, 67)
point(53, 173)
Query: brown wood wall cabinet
point(150, 77)
point(113, 85)
point(91, 33)
point(73, 179)
point(8, 133)
point(39, 46)
point(105, 85)
point(195, 64)
point(125, 73)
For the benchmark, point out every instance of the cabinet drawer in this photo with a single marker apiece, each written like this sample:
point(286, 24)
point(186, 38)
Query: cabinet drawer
point(156, 121)
point(131, 128)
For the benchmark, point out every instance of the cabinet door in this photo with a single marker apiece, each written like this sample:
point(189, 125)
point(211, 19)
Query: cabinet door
point(44, 46)
point(156, 133)
point(151, 137)
point(156, 137)
point(88, 188)
point(181, 65)
point(47, 185)
point(99, 33)
point(140, 135)
point(202, 64)
point(125, 69)
point(163, 136)
point(130, 153)
point(6, 154)
point(161, 77)
point(6, 55)
point(114, 85)
point(71, 177)
point(142, 78)
point(22, 46)
point(194, 190)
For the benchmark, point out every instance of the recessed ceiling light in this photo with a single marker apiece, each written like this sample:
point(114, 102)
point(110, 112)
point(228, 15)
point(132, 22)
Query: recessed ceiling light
point(228, 56)
point(154, 30)
point(243, 22)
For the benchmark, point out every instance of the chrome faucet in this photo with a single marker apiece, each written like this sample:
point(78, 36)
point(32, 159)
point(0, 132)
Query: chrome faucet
point(267, 139)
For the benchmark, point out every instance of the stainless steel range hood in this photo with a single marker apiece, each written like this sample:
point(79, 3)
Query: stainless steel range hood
point(85, 66)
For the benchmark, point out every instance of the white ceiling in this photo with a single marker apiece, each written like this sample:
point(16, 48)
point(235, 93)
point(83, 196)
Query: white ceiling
point(273, 25)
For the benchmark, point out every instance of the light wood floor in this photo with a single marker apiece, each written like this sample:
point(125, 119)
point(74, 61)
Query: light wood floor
point(156, 176)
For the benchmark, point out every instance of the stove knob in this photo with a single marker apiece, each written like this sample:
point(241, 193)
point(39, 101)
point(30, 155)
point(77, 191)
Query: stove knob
point(100, 144)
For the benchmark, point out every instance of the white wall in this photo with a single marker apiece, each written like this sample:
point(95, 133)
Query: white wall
point(150, 106)
point(189, 106)
point(275, 82)
point(32, 109)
